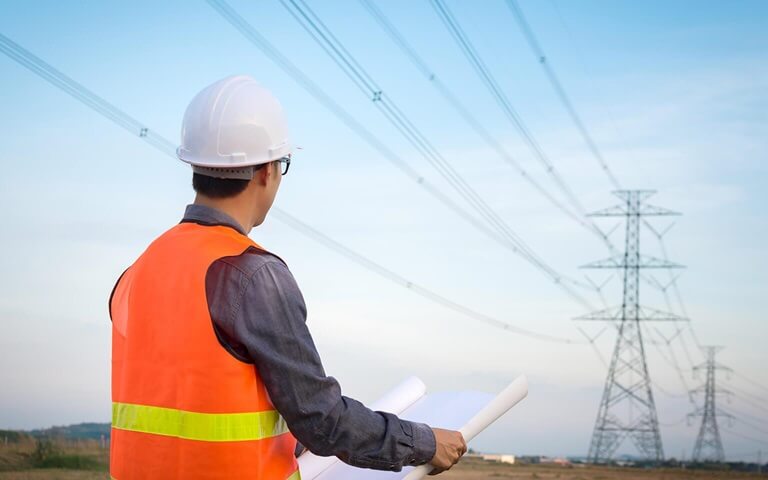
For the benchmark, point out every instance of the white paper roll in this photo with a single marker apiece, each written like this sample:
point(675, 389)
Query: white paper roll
point(395, 401)
point(401, 397)
point(508, 398)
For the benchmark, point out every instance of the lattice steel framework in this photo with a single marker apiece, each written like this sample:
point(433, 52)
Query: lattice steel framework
point(627, 408)
point(709, 446)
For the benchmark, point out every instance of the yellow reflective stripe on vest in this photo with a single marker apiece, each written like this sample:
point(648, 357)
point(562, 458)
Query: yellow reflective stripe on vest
point(209, 427)
point(295, 476)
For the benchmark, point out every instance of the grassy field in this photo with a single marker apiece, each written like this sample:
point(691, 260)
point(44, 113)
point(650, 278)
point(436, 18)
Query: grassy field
point(34, 459)
point(29, 458)
point(53, 474)
point(474, 469)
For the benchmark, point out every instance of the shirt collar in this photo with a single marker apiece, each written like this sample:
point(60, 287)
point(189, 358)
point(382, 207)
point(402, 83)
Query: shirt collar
point(210, 216)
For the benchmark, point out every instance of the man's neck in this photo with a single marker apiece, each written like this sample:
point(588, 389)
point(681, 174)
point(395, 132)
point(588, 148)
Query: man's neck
point(231, 206)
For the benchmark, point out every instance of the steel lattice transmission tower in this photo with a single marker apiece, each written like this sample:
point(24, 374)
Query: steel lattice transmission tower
point(627, 409)
point(709, 446)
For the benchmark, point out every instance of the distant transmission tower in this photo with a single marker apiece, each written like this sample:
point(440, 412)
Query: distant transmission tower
point(709, 446)
point(627, 409)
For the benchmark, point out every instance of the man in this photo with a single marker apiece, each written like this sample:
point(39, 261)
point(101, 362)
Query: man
point(214, 373)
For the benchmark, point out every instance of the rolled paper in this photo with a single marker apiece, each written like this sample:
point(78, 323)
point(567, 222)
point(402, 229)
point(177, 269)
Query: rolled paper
point(395, 401)
point(508, 398)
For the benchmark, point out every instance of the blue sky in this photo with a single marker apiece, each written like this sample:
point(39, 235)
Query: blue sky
point(675, 95)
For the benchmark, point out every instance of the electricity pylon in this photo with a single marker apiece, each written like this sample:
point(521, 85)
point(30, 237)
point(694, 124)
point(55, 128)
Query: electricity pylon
point(709, 446)
point(627, 408)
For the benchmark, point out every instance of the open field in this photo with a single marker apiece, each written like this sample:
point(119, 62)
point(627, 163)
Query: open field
point(474, 469)
point(29, 458)
point(53, 474)
point(87, 460)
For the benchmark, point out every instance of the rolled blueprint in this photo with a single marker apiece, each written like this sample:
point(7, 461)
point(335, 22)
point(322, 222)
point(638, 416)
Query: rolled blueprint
point(401, 397)
point(508, 398)
point(395, 401)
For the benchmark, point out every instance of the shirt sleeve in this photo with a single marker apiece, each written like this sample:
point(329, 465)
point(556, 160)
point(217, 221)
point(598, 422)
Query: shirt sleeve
point(268, 327)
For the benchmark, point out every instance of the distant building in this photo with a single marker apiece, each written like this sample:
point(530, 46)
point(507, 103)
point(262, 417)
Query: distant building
point(563, 462)
point(499, 458)
point(544, 460)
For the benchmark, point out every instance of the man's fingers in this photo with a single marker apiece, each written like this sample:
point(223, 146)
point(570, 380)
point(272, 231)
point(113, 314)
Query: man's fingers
point(461, 449)
point(463, 444)
point(451, 446)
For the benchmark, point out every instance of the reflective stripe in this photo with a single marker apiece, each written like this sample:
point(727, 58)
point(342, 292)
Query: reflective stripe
point(210, 427)
point(295, 476)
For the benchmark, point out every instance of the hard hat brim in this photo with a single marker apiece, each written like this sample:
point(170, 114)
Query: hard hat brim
point(235, 160)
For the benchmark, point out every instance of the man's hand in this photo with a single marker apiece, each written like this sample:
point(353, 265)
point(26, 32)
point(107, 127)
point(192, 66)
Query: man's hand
point(450, 447)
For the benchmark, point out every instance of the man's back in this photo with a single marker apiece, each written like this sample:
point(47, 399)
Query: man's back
point(183, 405)
point(207, 326)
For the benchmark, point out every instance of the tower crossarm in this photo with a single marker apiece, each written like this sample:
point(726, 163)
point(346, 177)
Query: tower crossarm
point(647, 314)
point(643, 261)
point(627, 392)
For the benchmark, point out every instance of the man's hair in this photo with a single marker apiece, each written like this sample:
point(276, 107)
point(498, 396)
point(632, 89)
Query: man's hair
point(217, 187)
point(222, 187)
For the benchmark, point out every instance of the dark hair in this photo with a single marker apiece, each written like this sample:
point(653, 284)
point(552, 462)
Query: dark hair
point(217, 187)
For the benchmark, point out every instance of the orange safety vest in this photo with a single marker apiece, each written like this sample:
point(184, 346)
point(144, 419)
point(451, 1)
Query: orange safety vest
point(182, 406)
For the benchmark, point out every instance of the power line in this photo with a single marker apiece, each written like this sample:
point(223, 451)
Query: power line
point(533, 43)
point(709, 444)
point(752, 426)
point(688, 356)
point(752, 403)
point(672, 424)
point(751, 417)
point(746, 437)
point(750, 381)
point(754, 397)
point(591, 341)
point(119, 117)
point(672, 361)
point(676, 288)
point(668, 393)
point(744, 454)
point(535, 46)
point(589, 72)
point(498, 231)
point(673, 284)
point(610, 116)
point(551, 75)
point(69, 86)
point(470, 119)
point(501, 99)
point(402, 281)
point(252, 35)
point(319, 32)
point(627, 407)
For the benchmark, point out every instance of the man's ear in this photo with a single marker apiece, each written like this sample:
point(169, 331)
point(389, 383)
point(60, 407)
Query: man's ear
point(262, 174)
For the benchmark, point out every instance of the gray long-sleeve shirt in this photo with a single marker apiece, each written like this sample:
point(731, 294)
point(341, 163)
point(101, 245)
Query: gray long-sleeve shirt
point(259, 316)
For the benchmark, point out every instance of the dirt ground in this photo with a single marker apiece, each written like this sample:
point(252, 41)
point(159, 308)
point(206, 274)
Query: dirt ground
point(473, 469)
point(53, 474)
point(469, 469)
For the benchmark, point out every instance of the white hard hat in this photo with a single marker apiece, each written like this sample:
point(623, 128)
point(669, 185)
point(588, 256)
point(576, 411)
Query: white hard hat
point(231, 126)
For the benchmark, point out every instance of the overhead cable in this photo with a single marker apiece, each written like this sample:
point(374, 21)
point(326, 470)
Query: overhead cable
point(750, 381)
point(470, 119)
point(746, 437)
point(502, 236)
point(322, 35)
point(479, 66)
point(534, 45)
point(119, 117)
